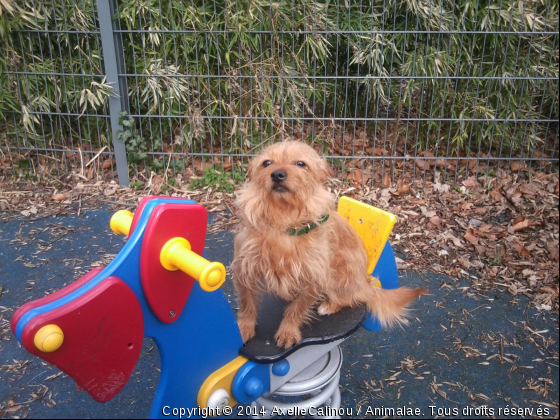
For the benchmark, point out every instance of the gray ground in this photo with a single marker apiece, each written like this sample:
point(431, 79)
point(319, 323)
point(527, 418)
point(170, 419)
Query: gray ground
point(461, 351)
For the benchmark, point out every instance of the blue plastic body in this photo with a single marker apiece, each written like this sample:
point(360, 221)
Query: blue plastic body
point(251, 381)
point(202, 340)
point(281, 368)
point(387, 273)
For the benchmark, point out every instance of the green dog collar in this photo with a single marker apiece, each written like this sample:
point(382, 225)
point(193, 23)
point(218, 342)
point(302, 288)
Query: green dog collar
point(308, 228)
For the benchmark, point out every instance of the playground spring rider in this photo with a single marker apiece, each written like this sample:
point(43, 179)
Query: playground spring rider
point(93, 328)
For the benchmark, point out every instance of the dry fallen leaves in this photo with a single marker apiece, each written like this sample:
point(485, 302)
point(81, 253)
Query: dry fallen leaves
point(436, 221)
point(524, 224)
point(469, 236)
point(480, 231)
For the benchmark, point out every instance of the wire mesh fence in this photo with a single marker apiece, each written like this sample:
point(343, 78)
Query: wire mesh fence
point(52, 92)
point(390, 89)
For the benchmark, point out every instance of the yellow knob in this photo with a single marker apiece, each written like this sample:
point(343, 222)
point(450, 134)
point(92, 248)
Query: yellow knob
point(49, 338)
point(176, 254)
point(212, 277)
point(121, 222)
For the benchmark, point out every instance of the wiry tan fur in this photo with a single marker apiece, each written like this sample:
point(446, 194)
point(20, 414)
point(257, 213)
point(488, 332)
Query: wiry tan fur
point(325, 267)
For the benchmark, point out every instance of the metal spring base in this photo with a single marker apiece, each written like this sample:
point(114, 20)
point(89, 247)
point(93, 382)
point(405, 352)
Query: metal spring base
point(320, 380)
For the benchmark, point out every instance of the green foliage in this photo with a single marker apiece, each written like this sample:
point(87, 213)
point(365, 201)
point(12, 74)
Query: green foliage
point(8, 22)
point(136, 185)
point(278, 61)
point(8, 102)
point(46, 62)
point(217, 179)
point(24, 171)
point(136, 147)
point(9, 18)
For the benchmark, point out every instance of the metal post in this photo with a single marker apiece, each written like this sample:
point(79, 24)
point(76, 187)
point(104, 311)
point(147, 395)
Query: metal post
point(113, 57)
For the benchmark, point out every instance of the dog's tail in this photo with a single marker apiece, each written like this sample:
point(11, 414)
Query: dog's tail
point(390, 306)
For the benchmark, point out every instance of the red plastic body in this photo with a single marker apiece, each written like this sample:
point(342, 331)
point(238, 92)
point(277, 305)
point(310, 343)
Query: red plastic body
point(168, 291)
point(53, 296)
point(103, 333)
point(140, 208)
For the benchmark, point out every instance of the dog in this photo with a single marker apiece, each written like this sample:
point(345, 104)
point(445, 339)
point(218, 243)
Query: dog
point(292, 243)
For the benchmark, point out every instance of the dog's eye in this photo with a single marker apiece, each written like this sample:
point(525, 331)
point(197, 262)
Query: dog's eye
point(266, 163)
point(301, 164)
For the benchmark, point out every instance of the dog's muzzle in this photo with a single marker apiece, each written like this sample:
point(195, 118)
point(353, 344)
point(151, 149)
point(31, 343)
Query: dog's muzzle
point(278, 178)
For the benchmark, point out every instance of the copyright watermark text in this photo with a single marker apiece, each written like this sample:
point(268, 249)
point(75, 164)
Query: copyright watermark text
point(203, 412)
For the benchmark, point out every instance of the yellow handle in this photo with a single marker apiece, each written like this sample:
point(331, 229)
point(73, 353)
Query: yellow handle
point(121, 222)
point(176, 254)
point(49, 338)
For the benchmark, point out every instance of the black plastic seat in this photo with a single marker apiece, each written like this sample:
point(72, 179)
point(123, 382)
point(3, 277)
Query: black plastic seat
point(321, 330)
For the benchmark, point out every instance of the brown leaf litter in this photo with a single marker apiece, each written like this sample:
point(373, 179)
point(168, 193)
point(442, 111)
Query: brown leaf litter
point(494, 231)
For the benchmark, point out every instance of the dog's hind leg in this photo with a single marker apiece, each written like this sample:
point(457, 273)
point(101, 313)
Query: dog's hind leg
point(329, 307)
point(336, 299)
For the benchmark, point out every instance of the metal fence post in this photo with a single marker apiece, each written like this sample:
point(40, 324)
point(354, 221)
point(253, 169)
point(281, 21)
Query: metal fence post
point(113, 57)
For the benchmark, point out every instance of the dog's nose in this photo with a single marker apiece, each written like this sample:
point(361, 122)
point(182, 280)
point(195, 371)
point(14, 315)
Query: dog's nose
point(278, 176)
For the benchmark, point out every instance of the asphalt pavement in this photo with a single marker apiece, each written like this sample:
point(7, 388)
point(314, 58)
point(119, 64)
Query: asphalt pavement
point(464, 354)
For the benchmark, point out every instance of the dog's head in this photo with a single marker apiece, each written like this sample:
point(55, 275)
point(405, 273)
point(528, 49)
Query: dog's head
point(285, 186)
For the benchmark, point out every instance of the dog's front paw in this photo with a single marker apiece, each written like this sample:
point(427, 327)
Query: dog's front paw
point(247, 329)
point(287, 336)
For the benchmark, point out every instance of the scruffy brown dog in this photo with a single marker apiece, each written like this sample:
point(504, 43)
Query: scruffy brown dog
point(325, 267)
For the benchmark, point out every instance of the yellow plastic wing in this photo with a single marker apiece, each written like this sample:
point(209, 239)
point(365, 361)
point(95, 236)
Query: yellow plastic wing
point(372, 224)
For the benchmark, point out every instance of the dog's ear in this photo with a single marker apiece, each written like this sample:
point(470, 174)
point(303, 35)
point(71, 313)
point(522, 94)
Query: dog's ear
point(251, 168)
point(326, 170)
